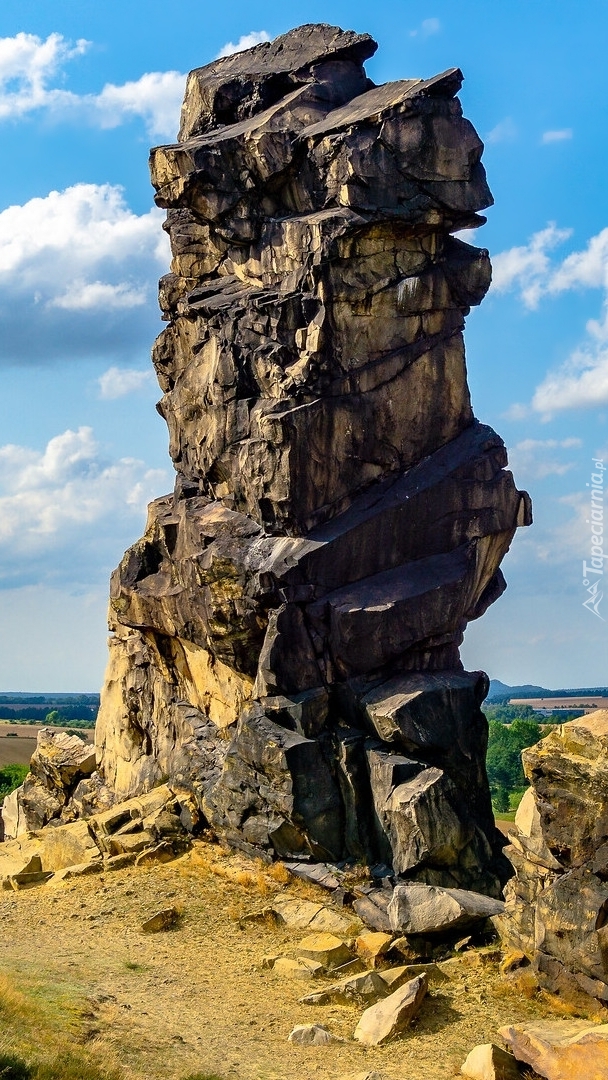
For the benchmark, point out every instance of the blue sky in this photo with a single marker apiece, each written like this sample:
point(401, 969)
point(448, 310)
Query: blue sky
point(85, 89)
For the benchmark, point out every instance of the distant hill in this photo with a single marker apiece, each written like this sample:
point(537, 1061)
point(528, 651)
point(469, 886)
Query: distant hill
point(500, 691)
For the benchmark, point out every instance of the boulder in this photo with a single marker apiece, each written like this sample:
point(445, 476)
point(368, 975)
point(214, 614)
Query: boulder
point(300, 968)
point(67, 845)
point(371, 947)
point(490, 1062)
point(390, 1017)
point(428, 910)
point(326, 949)
point(59, 762)
point(561, 1049)
point(362, 988)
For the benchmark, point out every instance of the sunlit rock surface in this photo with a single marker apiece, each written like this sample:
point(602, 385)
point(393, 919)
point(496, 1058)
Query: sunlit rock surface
point(286, 633)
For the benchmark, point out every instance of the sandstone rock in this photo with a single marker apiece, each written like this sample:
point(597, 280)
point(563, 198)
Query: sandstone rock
point(59, 762)
point(311, 1035)
point(68, 873)
point(371, 947)
point(426, 909)
point(161, 920)
point(326, 949)
point(294, 912)
point(285, 634)
point(489, 1062)
point(300, 968)
point(362, 988)
point(395, 977)
point(67, 845)
point(160, 853)
point(557, 903)
point(561, 1049)
point(390, 1017)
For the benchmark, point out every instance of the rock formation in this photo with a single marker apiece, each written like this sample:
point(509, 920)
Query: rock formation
point(557, 903)
point(285, 636)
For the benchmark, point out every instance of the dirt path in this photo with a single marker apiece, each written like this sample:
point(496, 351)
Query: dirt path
point(197, 1000)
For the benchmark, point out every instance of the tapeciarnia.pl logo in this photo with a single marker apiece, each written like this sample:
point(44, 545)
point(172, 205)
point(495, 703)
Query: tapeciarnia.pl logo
point(593, 571)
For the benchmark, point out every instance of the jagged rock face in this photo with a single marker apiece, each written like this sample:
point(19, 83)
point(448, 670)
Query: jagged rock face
point(557, 903)
point(286, 633)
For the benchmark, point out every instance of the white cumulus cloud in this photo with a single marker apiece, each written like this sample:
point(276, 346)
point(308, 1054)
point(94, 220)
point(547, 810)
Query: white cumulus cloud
point(78, 274)
point(30, 68)
point(582, 380)
point(247, 41)
point(64, 509)
point(118, 382)
point(528, 266)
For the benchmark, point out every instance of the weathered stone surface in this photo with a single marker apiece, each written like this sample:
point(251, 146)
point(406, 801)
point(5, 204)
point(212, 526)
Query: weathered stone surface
point(390, 1017)
point(299, 968)
point(363, 988)
point(557, 904)
point(326, 949)
point(59, 762)
point(67, 845)
point(285, 635)
point(561, 1049)
point(161, 920)
point(490, 1062)
point(311, 1035)
point(426, 909)
point(371, 947)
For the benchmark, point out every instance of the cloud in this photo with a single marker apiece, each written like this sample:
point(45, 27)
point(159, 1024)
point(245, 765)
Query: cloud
point(560, 135)
point(29, 65)
point(580, 383)
point(67, 510)
point(247, 41)
point(427, 28)
point(582, 380)
point(118, 382)
point(537, 458)
point(528, 267)
point(78, 276)
point(505, 131)
point(26, 65)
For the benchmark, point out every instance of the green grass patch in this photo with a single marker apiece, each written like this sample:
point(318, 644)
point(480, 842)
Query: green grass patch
point(11, 776)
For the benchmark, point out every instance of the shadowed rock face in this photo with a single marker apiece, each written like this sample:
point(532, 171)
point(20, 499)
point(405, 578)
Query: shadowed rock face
point(286, 633)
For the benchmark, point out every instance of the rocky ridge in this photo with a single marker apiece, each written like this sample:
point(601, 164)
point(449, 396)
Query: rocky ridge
point(285, 635)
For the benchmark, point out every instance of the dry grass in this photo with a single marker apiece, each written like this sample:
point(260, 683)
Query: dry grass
point(81, 979)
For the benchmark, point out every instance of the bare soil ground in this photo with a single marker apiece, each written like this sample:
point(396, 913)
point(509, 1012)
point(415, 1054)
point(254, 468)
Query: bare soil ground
point(76, 972)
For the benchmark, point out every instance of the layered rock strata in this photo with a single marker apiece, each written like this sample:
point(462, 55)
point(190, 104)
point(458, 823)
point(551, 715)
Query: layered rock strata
point(557, 903)
point(285, 635)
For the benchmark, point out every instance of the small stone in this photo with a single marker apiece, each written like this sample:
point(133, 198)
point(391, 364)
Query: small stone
point(390, 1017)
point(371, 946)
point(80, 870)
point(489, 1062)
point(300, 968)
point(162, 920)
point(311, 1035)
point(326, 949)
point(119, 862)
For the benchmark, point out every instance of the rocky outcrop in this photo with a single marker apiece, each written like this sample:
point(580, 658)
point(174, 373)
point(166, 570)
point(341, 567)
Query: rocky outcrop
point(285, 635)
point(59, 763)
point(557, 903)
